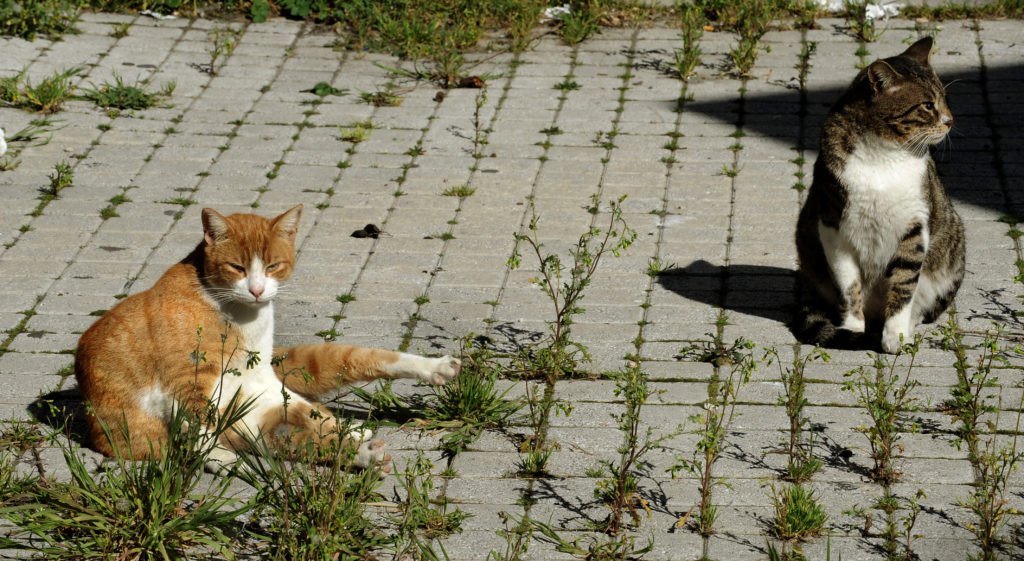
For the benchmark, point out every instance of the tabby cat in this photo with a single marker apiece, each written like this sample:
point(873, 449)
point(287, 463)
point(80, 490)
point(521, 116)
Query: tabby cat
point(880, 247)
point(138, 362)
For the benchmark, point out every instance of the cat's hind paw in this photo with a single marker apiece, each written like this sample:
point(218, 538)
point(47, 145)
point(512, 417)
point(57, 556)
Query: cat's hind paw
point(372, 454)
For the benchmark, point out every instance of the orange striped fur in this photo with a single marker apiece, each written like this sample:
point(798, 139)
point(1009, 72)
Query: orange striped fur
point(134, 365)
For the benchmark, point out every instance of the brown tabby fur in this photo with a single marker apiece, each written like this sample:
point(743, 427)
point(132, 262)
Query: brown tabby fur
point(877, 212)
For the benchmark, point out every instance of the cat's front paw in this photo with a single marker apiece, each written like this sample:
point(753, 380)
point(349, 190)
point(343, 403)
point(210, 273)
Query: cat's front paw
point(371, 454)
point(443, 370)
point(893, 339)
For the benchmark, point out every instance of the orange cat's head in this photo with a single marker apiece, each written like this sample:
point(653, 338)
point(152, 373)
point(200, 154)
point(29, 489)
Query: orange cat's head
point(248, 256)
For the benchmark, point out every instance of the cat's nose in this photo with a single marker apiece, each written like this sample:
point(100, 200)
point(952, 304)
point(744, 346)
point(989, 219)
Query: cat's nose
point(256, 290)
point(947, 120)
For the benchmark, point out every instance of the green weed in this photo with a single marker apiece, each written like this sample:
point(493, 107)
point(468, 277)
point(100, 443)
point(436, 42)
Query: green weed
point(712, 427)
point(225, 40)
point(582, 21)
point(692, 20)
point(801, 463)
point(123, 96)
point(798, 515)
point(136, 510)
point(46, 97)
point(120, 30)
point(620, 490)
point(61, 178)
point(386, 97)
point(860, 24)
point(356, 132)
point(419, 520)
point(886, 399)
point(461, 191)
point(29, 19)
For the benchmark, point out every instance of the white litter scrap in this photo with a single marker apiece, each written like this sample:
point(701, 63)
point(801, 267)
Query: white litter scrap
point(875, 9)
point(555, 12)
point(3, 142)
point(157, 16)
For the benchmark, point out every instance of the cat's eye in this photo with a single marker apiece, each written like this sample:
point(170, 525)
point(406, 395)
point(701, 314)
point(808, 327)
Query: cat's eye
point(273, 267)
point(237, 267)
point(929, 105)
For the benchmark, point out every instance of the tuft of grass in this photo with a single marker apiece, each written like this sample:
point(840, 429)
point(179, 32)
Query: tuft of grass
point(798, 514)
point(461, 191)
point(567, 85)
point(120, 30)
point(46, 97)
point(137, 510)
point(356, 132)
point(61, 178)
point(345, 298)
point(124, 96)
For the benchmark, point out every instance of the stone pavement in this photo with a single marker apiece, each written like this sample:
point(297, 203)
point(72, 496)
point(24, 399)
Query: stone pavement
point(250, 140)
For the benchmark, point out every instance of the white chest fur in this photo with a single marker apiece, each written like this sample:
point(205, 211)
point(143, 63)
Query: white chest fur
point(256, 325)
point(885, 186)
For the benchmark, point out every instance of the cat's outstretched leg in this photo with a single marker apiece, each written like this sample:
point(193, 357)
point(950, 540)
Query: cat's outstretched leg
point(903, 274)
point(312, 370)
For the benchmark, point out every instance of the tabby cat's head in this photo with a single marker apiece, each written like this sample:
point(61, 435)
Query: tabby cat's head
point(248, 256)
point(905, 102)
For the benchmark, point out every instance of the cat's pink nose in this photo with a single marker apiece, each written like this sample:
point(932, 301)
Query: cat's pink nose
point(256, 291)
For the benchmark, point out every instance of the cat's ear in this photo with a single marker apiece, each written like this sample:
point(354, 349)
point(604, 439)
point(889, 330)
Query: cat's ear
point(287, 225)
point(215, 226)
point(919, 51)
point(883, 77)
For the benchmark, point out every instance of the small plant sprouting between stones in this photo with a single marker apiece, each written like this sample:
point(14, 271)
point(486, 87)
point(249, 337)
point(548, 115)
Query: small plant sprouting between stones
point(124, 96)
point(977, 426)
point(712, 426)
point(751, 23)
point(480, 129)
point(800, 461)
point(620, 491)
point(860, 24)
point(897, 532)
point(582, 21)
point(886, 400)
point(565, 286)
point(692, 20)
point(356, 132)
point(387, 96)
point(798, 517)
point(61, 178)
point(225, 40)
point(419, 521)
point(559, 355)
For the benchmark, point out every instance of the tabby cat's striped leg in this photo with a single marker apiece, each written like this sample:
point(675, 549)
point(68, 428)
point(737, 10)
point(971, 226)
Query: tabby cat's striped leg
point(902, 275)
point(846, 274)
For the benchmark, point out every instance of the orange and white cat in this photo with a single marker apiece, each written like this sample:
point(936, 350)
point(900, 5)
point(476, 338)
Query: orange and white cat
point(138, 362)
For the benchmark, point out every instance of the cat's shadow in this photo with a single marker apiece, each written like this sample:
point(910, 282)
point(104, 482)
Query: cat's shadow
point(62, 411)
point(758, 290)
